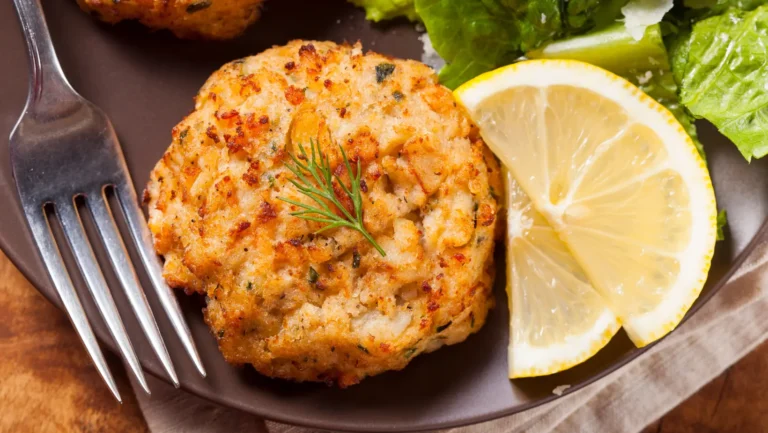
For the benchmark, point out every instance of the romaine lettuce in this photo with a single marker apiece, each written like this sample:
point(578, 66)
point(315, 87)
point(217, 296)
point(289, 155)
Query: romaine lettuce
point(722, 69)
point(377, 10)
point(722, 221)
point(475, 36)
point(612, 48)
point(707, 8)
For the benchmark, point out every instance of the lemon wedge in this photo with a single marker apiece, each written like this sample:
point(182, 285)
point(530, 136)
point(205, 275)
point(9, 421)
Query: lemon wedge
point(618, 181)
point(557, 318)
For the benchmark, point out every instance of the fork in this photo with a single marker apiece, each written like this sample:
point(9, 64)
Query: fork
point(63, 148)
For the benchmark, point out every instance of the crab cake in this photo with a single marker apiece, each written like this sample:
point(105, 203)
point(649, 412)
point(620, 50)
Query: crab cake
point(328, 307)
point(209, 19)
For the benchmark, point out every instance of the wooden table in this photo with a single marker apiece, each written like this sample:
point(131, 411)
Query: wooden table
point(47, 380)
point(48, 384)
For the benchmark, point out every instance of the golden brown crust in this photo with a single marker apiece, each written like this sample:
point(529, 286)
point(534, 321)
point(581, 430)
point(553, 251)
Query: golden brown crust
point(428, 182)
point(208, 19)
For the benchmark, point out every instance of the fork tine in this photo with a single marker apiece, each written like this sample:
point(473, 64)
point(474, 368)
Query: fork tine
point(113, 242)
point(49, 250)
point(143, 240)
point(89, 267)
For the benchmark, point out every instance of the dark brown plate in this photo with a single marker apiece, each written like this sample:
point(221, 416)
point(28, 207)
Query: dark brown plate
point(145, 82)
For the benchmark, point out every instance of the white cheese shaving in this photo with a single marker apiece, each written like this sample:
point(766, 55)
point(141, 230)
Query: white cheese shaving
point(642, 79)
point(639, 14)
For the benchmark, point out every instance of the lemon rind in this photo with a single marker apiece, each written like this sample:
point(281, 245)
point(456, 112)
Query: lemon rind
point(644, 329)
point(527, 360)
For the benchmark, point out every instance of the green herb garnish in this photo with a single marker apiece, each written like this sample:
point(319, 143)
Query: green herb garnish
point(362, 348)
point(249, 286)
point(313, 276)
point(320, 188)
point(198, 6)
point(493, 192)
point(444, 327)
point(183, 135)
point(398, 95)
point(384, 70)
point(408, 353)
point(355, 259)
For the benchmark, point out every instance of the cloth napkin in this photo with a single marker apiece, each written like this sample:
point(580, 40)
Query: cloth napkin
point(728, 327)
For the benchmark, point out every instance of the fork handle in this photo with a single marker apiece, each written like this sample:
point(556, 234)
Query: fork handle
point(47, 81)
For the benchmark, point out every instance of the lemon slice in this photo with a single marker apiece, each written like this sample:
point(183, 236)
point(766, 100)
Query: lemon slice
point(557, 319)
point(616, 177)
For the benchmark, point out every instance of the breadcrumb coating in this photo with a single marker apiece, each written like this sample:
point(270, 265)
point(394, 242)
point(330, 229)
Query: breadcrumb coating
point(203, 19)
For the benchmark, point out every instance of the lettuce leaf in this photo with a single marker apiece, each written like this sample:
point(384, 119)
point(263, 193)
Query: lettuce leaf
point(722, 69)
point(475, 36)
point(377, 10)
point(707, 8)
point(722, 221)
point(612, 48)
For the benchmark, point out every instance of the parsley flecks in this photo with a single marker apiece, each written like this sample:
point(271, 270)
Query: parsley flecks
point(313, 276)
point(249, 286)
point(198, 6)
point(362, 348)
point(493, 192)
point(384, 70)
point(398, 95)
point(183, 135)
point(408, 353)
point(444, 327)
point(355, 259)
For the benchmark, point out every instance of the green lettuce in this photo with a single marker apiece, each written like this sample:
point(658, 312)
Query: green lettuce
point(377, 10)
point(612, 48)
point(475, 36)
point(722, 221)
point(721, 66)
point(706, 8)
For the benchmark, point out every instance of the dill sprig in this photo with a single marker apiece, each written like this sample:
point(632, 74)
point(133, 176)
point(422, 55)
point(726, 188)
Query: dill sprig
point(319, 187)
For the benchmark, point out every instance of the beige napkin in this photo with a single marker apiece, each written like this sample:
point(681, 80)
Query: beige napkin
point(728, 327)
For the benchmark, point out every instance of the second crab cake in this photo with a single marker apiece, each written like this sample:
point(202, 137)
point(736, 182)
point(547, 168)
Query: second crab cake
point(328, 307)
point(206, 19)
